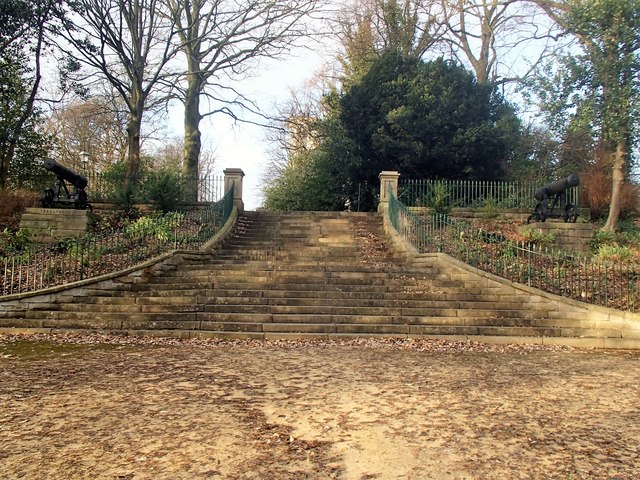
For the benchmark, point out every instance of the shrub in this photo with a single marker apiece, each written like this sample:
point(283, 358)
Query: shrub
point(622, 244)
point(158, 226)
point(165, 189)
point(14, 241)
point(490, 209)
point(535, 236)
point(13, 203)
point(614, 252)
point(439, 199)
point(109, 220)
point(600, 238)
point(630, 238)
point(596, 193)
point(113, 187)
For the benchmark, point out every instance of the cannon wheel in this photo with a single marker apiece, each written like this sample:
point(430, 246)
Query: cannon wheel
point(46, 198)
point(537, 215)
point(570, 213)
point(81, 202)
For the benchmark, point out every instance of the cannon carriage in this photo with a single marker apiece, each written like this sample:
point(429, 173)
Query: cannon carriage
point(557, 192)
point(59, 194)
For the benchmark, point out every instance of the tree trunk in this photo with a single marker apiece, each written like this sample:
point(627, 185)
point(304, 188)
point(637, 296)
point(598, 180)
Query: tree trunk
point(133, 139)
point(192, 136)
point(619, 162)
point(5, 161)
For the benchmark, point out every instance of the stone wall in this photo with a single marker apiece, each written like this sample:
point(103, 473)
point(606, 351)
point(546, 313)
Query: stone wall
point(47, 224)
point(570, 237)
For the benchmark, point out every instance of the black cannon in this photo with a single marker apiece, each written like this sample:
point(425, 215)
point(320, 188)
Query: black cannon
point(558, 192)
point(59, 195)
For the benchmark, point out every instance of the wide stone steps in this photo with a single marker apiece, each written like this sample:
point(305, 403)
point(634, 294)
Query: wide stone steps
point(310, 275)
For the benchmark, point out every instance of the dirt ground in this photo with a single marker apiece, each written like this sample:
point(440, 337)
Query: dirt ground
point(158, 409)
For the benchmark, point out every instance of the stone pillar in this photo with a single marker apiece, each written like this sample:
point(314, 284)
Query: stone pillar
point(233, 176)
point(387, 178)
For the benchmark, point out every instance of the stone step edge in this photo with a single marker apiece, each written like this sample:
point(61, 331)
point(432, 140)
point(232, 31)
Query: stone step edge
point(586, 343)
point(293, 325)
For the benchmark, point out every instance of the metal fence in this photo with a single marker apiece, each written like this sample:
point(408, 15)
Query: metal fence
point(470, 194)
point(614, 284)
point(33, 266)
point(210, 188)
point(105, 188)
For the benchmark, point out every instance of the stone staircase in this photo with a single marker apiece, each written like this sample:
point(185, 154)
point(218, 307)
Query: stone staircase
point(314, 275)
point(317, 275)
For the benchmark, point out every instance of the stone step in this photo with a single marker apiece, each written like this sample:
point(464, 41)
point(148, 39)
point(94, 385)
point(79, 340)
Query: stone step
point(275, 264)
point(346, 258)
point(319, 244)
point(276, 272)
point(239, 309)
point(300, 327)
point(271, 279)
point(382, 294)
point(360, 326)
point(222, 326)
point(231, 317)
point(173, 284)
point(342, 304)
point(327, 274)
point(316, 290)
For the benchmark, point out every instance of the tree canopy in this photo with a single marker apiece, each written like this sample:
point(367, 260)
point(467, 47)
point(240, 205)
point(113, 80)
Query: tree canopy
point(427, 119)
point(22, 40)
point(424, 119)
point(400, 99)
point(597, 88)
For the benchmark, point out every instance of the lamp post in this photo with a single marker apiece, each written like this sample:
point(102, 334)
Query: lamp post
point(84, 159)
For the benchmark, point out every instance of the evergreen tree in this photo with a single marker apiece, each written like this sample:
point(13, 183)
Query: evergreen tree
point(425, 119)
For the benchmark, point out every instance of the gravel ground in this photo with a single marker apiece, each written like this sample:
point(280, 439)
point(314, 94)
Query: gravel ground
point(127, 408)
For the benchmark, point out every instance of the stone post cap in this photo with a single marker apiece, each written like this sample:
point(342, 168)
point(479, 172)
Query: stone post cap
point(388, 174)
point(387, 178)
point(233, 171)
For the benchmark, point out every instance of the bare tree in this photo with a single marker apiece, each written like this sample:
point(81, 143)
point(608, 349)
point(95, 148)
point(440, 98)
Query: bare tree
point(293, 130)
point(367, 27)
point(501, 40)
point(493, 35)
point(129, 43)
point(223, 40)
point(96, 126)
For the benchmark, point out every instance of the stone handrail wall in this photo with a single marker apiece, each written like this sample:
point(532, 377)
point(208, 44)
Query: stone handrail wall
point(620, 329)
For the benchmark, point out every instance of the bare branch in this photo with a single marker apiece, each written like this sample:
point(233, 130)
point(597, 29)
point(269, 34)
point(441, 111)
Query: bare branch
point(129, 43)
point(494, 36)
point(223, 40)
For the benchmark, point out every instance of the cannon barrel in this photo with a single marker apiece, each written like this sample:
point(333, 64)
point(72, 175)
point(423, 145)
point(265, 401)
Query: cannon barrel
point(77, 180)
point(557, 187)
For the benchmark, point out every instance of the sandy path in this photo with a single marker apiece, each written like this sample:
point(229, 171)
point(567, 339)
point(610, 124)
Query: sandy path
point(248, 411)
